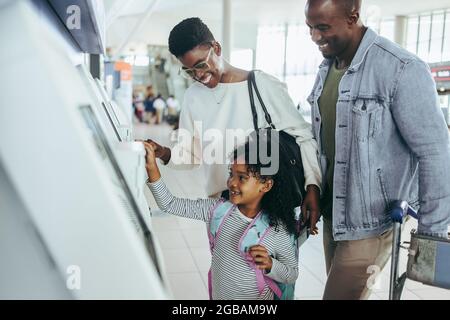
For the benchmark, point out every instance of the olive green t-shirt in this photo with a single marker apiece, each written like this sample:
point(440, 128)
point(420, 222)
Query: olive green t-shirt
point(327, 107)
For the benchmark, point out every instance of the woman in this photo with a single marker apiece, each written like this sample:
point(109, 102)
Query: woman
point(218, 101)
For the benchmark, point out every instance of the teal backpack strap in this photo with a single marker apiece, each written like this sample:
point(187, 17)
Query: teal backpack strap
point(253, 235)
point(217, 216)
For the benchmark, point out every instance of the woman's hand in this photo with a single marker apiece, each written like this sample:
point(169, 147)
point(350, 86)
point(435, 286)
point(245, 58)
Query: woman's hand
point(151, 166)
point(161, 152)
point(261, 257)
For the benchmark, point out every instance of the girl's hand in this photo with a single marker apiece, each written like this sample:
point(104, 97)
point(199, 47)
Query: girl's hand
point(151, 165)
point(261, 257)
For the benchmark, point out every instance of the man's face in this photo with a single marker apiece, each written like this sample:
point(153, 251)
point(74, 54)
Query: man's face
point(203, 64)
point(329, 27)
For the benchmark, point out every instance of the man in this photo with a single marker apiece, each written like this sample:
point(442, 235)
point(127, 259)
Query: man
point(381, 138)
point(218, 99)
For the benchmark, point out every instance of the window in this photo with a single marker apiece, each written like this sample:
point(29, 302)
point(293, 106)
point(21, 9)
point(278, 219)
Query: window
point(446, 46)
point(437, 26)
point(297, 65)
point(138, 61)
point(423, 45)
point(412, 32)
point(302, 54)
point(387, 29)
point(428, 35)
point(271, 47)
point(302, 60)
point(242, 59)
point(141, 61)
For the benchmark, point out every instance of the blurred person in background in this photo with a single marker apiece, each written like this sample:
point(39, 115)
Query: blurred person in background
point(173, 113)
point(150, 111)
point(160, 105)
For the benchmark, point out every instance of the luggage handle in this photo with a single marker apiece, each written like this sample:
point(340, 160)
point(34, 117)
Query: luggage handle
point(401, 209)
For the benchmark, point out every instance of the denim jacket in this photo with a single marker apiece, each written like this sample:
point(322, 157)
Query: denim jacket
point(392, 142)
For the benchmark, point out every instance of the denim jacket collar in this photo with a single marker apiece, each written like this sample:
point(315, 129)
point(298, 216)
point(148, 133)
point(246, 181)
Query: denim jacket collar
point(366, 42)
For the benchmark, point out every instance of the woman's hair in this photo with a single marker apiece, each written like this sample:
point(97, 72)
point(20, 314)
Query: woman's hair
point(187, 35)
point(277, 203)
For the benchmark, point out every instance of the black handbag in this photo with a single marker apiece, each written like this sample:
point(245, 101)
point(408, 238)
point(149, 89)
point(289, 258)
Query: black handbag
point(288, 146)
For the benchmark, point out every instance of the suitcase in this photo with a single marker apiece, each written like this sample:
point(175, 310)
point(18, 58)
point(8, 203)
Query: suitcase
point(428, 257)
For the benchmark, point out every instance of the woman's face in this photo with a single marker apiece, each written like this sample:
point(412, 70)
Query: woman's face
point(204, 64)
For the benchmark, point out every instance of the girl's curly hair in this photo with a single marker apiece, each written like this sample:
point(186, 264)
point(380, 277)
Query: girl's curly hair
point(277, 203)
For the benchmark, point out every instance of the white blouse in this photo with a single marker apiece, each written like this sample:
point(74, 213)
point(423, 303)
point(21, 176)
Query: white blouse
point(207, 113)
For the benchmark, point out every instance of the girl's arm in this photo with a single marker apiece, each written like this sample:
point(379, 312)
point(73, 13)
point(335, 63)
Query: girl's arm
point(284, 266)
point(194, 209)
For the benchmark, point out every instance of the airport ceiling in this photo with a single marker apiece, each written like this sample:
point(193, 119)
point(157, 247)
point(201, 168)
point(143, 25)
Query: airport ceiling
point(264, 11)
point(159, 16)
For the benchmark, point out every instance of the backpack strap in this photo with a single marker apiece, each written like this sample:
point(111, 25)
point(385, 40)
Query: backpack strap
point(253, 235)
point(221, 210)
point(217, 216)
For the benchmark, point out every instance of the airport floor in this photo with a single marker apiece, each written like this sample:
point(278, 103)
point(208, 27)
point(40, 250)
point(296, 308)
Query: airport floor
point(184, 243)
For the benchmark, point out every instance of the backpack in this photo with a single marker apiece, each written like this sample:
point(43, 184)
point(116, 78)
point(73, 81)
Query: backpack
point(253, 235)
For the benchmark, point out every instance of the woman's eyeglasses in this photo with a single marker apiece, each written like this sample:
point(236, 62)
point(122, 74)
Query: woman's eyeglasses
point(202, 66)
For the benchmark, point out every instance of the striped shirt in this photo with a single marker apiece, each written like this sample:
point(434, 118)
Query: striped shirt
point(232, 277)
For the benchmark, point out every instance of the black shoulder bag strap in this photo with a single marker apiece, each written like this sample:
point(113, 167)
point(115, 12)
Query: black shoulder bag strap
point(252, 84)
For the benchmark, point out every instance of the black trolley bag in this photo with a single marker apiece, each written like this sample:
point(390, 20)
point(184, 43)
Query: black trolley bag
point(428, 257)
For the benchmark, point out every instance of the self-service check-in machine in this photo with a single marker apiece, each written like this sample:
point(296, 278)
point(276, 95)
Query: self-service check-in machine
point(115, 117)
point(117, 112)
point(71, 226)
point(130, 155)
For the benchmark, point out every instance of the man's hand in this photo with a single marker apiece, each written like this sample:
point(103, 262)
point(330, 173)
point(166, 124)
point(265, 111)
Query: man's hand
point(161, 152)
point(261, 257)
point(310, 208)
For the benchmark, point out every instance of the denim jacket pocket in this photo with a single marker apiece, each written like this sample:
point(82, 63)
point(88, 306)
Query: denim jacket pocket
point(366, 117)
point(381, 199)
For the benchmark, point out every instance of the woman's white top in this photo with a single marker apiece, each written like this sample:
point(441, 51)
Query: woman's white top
point(211, 118)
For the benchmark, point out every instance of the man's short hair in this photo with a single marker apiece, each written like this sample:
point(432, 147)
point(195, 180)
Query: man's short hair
point(187, 35)
point(349, 5)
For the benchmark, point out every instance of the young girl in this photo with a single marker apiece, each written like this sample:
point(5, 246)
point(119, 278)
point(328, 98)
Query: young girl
point(266, 265)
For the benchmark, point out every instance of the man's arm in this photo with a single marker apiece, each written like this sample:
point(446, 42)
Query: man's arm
point(421, 124)
point(293, 123)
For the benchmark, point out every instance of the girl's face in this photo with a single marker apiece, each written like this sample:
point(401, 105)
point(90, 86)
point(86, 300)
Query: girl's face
point(246, 189)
